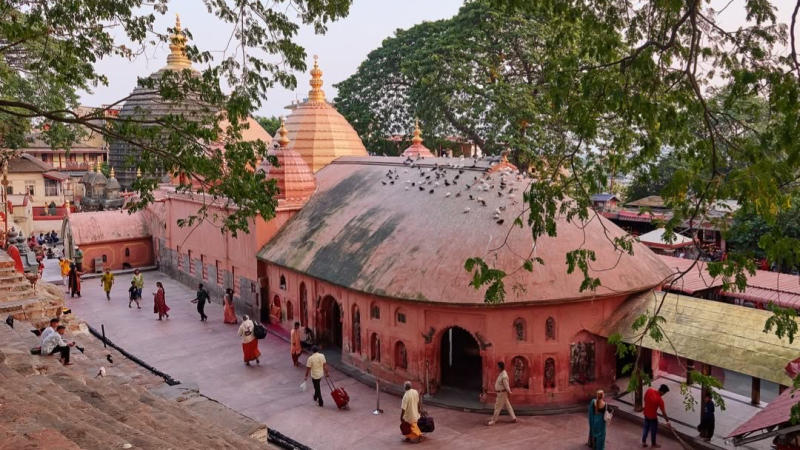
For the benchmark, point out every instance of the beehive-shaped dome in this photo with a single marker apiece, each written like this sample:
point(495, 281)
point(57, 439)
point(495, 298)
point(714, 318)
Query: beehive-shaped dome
point(318, 132)
point(294, 179)
point(417, 150)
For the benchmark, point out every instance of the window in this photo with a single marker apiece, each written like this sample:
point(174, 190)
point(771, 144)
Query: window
point(519, 372)
point(549, 373)
point(282, 284)
point(375, 311)
point(52, 188)
point(401, 316)
point(235, 281)
point(520, 333)
point(356, 338)
point(180, 258)
point(550, 329)
point(10, 190)
point(30, 187)
point(191, 264)
point(303, 305)
point(203, 267)
point(218, 268)
point(105, 258)
point(400, 356)
point(375, 347)
point(127, 252)
point(289, 310)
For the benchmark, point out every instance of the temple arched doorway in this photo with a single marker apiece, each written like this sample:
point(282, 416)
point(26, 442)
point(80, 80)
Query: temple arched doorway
point(330, 333)
point(460, 360)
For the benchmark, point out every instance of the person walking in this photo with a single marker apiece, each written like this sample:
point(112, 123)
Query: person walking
point(79, 259)
point(503, 391)
point(107, 280)
point(249, 342)
point(317, 367)
point(138, 281)
point(410, 412)
point(653, 401)
point(63, 263)
point(597, 421)
point(296, 347)
point(229, 312)
point(706, 427)
point(74, 281)
point(160, 302)
point(201, 298)
point(133, 295)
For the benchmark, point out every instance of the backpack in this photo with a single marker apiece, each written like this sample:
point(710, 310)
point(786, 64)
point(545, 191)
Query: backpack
point(258, 330)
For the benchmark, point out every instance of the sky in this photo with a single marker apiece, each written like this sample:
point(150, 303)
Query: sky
point(344, 46)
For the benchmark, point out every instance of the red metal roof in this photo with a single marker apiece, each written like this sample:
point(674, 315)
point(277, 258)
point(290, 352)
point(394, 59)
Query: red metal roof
point(696, 280)
point(367, 228)
point(107, 226)
point(777, 412)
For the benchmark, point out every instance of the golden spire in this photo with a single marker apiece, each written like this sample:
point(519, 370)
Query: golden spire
point(177, 59)
point(112, 174)
point(138, 172)
point(417, 139)
point(284, 133)
point(97, 166)
point(316, 94)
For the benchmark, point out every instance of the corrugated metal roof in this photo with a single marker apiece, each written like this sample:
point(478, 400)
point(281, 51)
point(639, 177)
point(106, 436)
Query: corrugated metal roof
point(695, 280)
point(716, 333)
point(778, 411)
point(361, 231)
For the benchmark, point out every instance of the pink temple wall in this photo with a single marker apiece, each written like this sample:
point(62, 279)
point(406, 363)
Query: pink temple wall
point(492, 325)
point(139, 253)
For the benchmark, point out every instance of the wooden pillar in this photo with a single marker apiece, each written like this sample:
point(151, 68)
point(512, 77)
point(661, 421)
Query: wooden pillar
point(638, 399)
point(689, 369)
point(755, 391)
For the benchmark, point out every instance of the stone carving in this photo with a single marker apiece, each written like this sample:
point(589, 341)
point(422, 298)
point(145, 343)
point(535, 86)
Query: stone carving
point(581, 362)
point(429, 336)
point(550, 329)
point(519, 329)
point(549, 373)
point(356, 331)
point(520, 367)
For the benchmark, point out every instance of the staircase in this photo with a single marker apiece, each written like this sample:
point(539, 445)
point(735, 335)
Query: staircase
point(46, 405)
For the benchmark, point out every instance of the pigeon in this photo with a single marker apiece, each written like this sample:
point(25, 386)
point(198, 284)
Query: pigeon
point(10, 321)
point(430, 192)
point(422, 188)
point(108, 357)
point(383, 182)
point(500, 222)
point(458, 194)
point(406, 187)
point(392, 182)
point(413, 183)
point(446, 183)
point(447, 194)
point(80, 349)
point(101, 373)
point(466, 210)
point(482, 202)
point(470, 196)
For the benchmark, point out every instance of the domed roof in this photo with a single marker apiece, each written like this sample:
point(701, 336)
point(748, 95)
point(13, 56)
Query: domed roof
point(293, 177)
point(112, 181)
point(318, 132)
point(417, 150)
point(145, 102)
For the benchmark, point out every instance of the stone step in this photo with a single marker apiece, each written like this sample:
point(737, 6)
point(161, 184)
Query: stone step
point(15, 285)
point(14, 296)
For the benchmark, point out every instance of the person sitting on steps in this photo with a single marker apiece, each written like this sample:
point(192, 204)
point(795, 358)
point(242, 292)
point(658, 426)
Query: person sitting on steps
point(55, 343)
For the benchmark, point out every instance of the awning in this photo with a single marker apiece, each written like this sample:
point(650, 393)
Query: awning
point(58, 176)
point(777, 412)
point(711, 332)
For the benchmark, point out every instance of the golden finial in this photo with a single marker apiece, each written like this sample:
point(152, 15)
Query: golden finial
point(177, 59)
point(316, 94)
point(284, 135)
point(138, 172)
point(417, 139)
point(112, 174)
point(97, 166)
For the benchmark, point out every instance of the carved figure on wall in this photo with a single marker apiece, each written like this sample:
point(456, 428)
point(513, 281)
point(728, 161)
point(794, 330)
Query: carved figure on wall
point(549, 373)
point(356, 331)
point(550, 329)
point(520, 366)
point(581, 362)
point(519, 329)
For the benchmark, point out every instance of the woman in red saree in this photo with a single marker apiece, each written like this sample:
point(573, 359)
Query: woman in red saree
point(160, 302)
point(227, 307)
point(249, 342)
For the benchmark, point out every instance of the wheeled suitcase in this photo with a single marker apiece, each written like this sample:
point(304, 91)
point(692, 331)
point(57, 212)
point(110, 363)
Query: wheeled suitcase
point(339, 394)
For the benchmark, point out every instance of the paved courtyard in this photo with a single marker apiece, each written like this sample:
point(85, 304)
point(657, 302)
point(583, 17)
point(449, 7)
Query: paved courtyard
point(209, 354)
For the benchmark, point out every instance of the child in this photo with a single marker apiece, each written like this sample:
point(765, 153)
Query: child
point(133, 295)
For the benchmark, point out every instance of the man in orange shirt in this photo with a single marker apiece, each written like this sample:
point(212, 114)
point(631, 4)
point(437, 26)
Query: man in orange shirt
point(296, 348)
point(652, 403)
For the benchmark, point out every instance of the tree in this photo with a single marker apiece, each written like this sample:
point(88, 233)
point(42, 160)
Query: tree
point(270, 124)
point(47, 54)
point(652, 179)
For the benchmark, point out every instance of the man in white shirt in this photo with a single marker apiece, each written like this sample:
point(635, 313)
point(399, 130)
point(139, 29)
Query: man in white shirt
point(55, 343)
point(409, 413)
point(49, 330)
point(317, 367)
point(503, 391)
